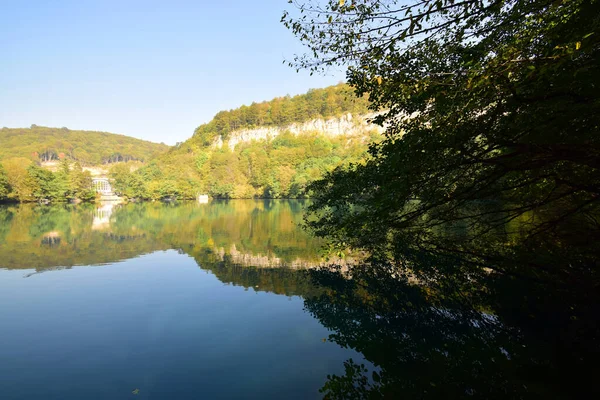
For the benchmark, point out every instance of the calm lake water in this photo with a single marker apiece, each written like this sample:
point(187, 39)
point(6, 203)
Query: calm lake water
point(149, 301)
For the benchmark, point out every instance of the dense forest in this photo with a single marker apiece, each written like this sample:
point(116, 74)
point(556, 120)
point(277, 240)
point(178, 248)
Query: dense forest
point(23, 180)
point(41, 144)
point(332, 101)
point(277, 168)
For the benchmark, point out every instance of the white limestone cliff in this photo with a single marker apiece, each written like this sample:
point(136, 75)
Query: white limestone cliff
point(347, 124)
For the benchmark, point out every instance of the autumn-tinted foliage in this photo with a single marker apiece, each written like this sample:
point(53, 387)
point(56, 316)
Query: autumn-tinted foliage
point(277, 168)
point(23, 180)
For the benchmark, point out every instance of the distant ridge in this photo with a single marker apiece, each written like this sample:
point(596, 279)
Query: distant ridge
point(87, 147)
point(316, 104)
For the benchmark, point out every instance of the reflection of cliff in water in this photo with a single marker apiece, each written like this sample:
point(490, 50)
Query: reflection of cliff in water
point(284, 281)
point(263, 234)
point(236, 257)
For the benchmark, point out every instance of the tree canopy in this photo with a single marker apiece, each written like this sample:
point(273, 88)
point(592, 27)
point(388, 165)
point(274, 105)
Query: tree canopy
point(280, 167)
point(332, 101)
point(492, 126)
point(488, 171)
point(25, 181)
point(5, 188)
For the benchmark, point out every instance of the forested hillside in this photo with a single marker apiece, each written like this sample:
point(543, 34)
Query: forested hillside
point(40, 143)
point(272, 167)
point(332, 101)
point(276, 166)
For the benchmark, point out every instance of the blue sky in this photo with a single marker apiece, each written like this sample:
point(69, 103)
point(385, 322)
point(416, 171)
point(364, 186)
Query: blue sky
point(149, 69)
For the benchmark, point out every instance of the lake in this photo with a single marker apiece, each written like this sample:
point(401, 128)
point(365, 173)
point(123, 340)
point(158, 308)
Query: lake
point(153, 300)
point(218, 300)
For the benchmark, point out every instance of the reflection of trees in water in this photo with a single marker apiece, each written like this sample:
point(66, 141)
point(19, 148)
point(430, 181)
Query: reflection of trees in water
point(438, 339)
point(259, 228)
point(5, 223)
point(456, 340)
point(254, 233)
point(35, 232)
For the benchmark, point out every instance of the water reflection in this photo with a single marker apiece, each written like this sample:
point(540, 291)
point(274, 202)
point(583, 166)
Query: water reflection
point(440, 338)
point(249, 233)
point(254, 244)
point(160, 324)
point(102, 216)
point(51, 239)
point(454, 339)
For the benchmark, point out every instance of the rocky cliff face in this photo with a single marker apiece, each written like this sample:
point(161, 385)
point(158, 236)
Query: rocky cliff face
point(345, 125)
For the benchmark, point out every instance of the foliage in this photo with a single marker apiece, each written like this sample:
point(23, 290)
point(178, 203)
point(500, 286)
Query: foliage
point(332, 101)
point(491, 145)
point(80, 182)
point(26, 181)
point(490, 160)
point(5, 188)
point(18, 177)
point(280, 167)
point(276, 168)
point(42, 144)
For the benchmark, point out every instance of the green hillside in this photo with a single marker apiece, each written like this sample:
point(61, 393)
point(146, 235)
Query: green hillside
point(280, 167)
point(276, 168)
point(40, 143)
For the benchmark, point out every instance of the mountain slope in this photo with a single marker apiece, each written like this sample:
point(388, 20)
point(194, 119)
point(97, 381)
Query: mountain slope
point(325, 103)
point(88, 147)
point(255, 160)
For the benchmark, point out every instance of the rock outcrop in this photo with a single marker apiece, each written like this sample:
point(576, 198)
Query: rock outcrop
point(344, 125)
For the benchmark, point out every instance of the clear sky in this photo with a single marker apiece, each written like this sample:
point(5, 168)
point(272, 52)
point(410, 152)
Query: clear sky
point(149, 69)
